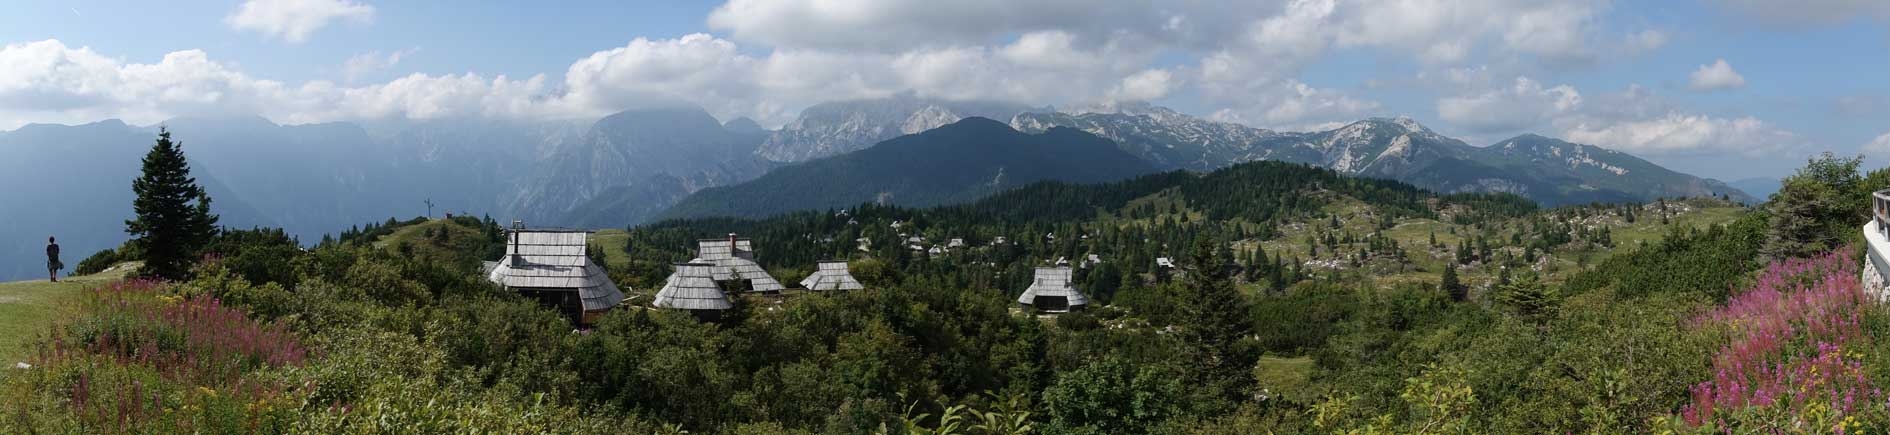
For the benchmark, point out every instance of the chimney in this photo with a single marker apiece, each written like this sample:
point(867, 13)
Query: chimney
point(517, 261)
point(731, 245)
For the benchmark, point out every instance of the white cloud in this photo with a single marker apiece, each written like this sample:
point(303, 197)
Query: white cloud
point(47, 81)
point(294, 20)
point(895, 26)
point(1684, 133)
point(1520, 106)
point(784, 55)
point(1295, 106)
point(1146, 85)
point(1879, 146)
point(1273, 37)
point(1717, 76)
point(1638, 121)
point(1448, 31)
point(1634, 120)
point(373, 61)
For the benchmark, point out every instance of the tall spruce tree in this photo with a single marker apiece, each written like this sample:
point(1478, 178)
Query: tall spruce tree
point(1452, 286)
point(174, 221)
point(1214, 319)
point(1529, 298)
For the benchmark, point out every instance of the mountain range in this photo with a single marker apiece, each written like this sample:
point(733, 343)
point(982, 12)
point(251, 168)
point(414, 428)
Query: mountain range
point(840, 127)
point(955, 163)
point(632, 166)
point(1550, 171)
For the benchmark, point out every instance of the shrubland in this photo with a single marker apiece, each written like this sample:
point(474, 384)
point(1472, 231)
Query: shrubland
point(1322, 313)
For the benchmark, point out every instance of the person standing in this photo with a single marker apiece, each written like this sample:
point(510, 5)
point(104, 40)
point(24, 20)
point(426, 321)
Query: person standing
point(53, 265)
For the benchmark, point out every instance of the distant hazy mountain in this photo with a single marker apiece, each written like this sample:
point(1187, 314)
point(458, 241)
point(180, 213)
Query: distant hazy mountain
point(840, 127)
point(1163, 137)
point(644, 159)
point(1583, 173)
point(960, 162)
point(744, 126)
point(74, 182)
point(1759, 187)
point(1547, 170)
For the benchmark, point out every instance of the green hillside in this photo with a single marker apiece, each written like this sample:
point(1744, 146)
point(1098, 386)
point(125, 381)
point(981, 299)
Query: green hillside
point(1298, 223)
point(29, 308)
point(1301, 301)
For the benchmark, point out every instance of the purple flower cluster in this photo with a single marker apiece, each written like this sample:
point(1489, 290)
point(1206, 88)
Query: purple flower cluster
point(194, 338)
point(1794, 336)
point(139, 352)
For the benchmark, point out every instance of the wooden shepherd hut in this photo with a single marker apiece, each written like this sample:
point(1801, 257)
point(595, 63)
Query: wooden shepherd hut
point(733, 260)
point(831, 275)
point(551, 266)
point(692, 287)
point(1051, 291)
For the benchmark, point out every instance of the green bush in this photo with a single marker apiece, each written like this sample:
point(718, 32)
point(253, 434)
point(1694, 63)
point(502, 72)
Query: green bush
point(98, 262)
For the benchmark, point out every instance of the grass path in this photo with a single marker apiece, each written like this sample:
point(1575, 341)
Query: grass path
point(27, 308)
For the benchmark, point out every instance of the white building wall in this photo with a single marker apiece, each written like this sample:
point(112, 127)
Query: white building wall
point(1877, 263)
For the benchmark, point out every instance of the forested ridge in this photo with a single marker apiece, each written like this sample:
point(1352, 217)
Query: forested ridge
point(956, 163)
point(1301, 302)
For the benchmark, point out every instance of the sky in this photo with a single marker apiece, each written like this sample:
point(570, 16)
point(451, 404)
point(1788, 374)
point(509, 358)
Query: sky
point(1729, 89)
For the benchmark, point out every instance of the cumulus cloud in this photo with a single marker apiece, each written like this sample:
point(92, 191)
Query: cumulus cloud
point(47, 81)
point(1638, 121)
point(1241, 59)
point(1680, 133)
point(902, 25)
point(1522, 105)
point(51, 82)
point(1146, 85)
point(1716, 76)
point(1295, 106)
point(294, 20)
point(373, 61)
point(1634, 120)
point(1448, 30)
point(1879, 146)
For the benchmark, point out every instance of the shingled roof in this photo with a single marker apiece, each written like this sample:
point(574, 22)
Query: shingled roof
point(831, 275)
point(734, 259)
point(1053, 282)
point(692, 288)
point(554, 260)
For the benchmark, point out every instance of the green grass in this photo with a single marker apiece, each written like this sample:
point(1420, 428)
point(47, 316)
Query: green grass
point(1289, 378)
point(412, 233)
point(27, 308)
point(1650, 230)
point(612, 240)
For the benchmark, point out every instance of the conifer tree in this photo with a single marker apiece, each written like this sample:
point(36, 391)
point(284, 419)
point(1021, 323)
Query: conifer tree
point(1528, 297)
point(173, 212)
point(1451, 285)
point(1215, 317)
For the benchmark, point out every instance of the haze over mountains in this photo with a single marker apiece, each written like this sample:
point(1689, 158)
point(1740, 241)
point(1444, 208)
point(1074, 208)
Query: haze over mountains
point(632, 166)
point(955, 163)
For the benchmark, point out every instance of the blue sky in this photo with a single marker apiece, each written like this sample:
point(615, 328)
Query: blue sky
point(1644, 77)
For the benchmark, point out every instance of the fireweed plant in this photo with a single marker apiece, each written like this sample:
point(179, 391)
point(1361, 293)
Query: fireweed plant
point(1799, 354)
point(144, 358)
